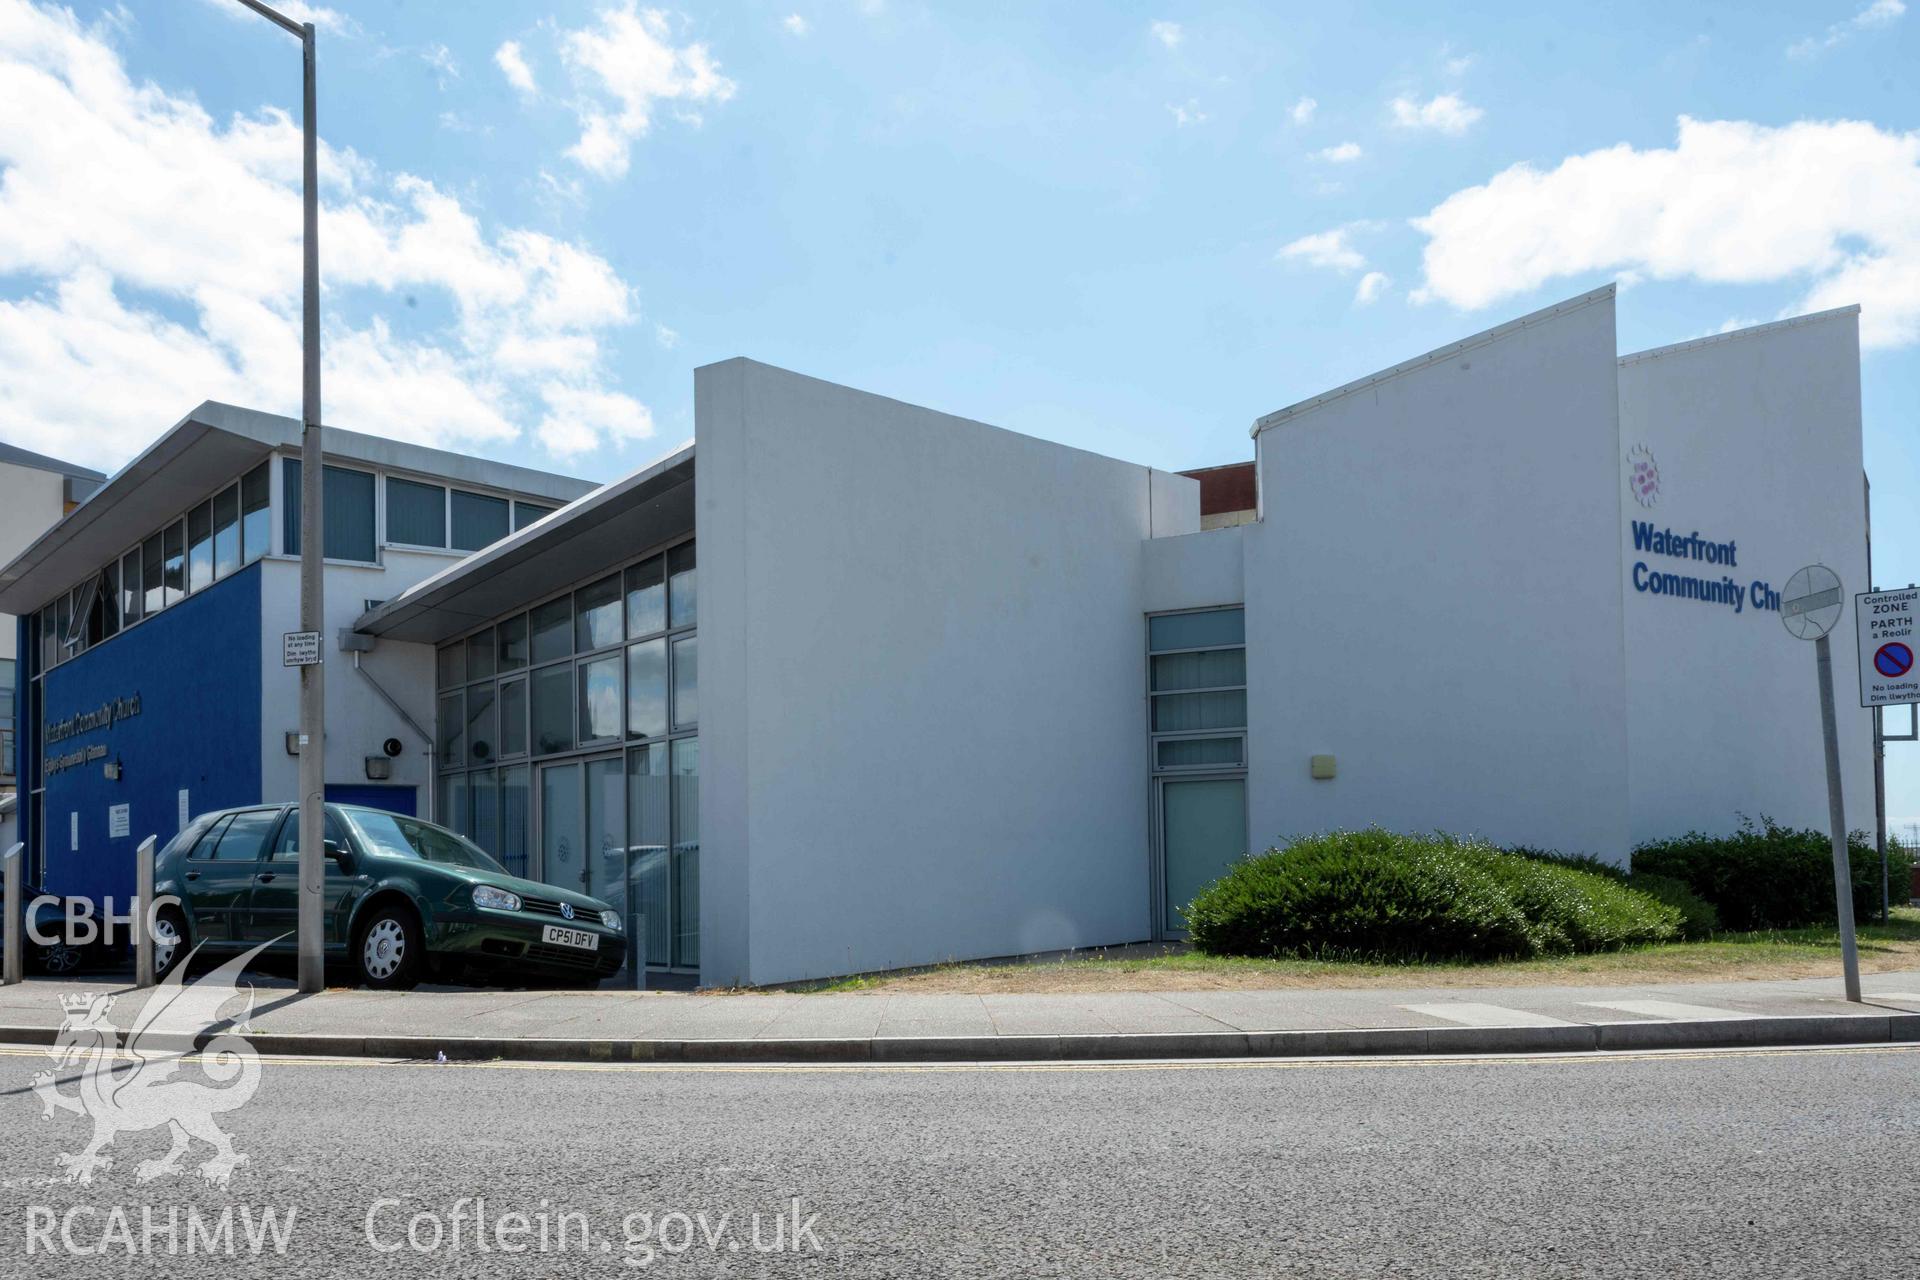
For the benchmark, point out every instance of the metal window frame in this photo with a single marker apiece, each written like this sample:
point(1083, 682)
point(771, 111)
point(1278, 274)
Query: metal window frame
point(1159, 776)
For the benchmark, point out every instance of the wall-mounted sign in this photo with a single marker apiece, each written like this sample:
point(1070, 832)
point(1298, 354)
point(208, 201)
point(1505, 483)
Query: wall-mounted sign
point(1888, 625)
point(119, 821)
point(300, 649)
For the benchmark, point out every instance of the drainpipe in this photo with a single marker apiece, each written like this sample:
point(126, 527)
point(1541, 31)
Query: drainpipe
point(357, 644)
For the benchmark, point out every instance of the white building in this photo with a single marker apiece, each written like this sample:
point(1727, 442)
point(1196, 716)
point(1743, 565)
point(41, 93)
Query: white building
point(965, 693)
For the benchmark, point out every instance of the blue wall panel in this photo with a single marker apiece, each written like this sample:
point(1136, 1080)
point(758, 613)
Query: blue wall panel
point(196, 669)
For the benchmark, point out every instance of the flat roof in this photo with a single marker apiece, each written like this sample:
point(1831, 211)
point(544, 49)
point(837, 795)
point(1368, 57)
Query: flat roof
point(14, 455)
point(614, 523)
point(210, 446)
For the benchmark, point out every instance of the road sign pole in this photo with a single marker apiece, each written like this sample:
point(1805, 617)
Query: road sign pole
point(1837, 820)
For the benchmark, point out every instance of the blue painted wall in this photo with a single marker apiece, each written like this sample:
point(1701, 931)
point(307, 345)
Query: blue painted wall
point(196, 667)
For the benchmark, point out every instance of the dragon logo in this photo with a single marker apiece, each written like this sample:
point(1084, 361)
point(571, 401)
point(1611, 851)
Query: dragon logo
point(141, 1086)
point(1643, 476)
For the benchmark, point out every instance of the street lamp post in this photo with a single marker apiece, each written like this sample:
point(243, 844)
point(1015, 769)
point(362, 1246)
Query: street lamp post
point(313, 714)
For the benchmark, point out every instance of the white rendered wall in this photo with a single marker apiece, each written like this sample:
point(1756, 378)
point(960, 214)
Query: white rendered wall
point(1756, 436)
point(358, 720)
point(922, 688)
point(1433, 597)
point(31, 501)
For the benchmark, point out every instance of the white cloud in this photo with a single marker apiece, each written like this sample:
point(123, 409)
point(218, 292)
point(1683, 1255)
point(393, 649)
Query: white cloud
point(1342, 153)
point(1371, 286)
point(331, 21)
point(624, 65)
point(1167, 33)
point(1302, 111)
point(150, 259)
point(1187, 113)
point(1834, 204)
point(1446, 113)
point(1454, 64)
point(446, 67)
point(513, 65)
point(1330, 249)
point(795, 24)
point(1877, 14)
point(581, 418)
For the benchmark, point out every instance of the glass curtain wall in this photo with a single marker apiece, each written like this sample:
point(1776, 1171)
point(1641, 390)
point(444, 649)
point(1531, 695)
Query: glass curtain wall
point(568, 745)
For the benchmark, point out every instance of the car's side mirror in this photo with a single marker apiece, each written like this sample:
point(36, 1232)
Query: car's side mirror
point(339, 853)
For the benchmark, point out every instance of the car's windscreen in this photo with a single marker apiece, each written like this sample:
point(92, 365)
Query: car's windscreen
point(408, 838)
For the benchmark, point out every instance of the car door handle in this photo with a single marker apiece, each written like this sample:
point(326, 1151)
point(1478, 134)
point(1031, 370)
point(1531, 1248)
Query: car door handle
point(191, 875)
point(265, 876)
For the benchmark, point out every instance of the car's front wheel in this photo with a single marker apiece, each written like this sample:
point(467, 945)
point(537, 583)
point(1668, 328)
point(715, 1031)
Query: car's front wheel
point(391, 949)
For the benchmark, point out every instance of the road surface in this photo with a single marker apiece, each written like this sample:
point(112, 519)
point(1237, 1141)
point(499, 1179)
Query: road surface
point(1727, 1163)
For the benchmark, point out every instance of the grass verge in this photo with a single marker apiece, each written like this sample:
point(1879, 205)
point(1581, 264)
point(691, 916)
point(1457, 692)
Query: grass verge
point(1762, 955)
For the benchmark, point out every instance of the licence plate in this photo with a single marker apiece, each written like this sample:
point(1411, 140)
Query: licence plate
point(571, 937)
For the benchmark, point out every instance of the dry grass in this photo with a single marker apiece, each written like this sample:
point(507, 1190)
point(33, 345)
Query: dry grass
point(1797, 953)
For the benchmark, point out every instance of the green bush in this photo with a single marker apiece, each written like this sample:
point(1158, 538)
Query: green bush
point(1698, 919)
point(1766, 876)
point(1378, 895)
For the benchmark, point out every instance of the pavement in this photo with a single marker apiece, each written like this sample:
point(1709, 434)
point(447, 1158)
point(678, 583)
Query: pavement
point(620, 1026)
point(1775, 1163)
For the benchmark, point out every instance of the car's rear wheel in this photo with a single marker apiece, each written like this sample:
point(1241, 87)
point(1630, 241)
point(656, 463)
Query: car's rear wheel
point(59, 959)
point(391, 948)
point(169, 941)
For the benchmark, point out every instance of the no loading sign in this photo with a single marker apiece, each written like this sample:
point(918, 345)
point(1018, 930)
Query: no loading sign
point(1888, 623)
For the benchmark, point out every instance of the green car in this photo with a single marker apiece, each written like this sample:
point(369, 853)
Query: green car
point(404, 899)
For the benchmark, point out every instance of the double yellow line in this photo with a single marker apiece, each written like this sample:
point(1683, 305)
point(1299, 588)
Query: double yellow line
point(940, 1068)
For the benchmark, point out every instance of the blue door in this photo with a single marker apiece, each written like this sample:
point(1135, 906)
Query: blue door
point(394, 799)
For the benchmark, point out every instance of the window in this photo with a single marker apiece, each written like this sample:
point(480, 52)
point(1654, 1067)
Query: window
point(286, 847)
point(513, 718)
point(478, 520)
point(600, 698)
point(686, 682)
point(452, 660)
point(200, 547)
point(552, 698)
point(525, 513)
point(346, 508)
point(515, 819)
point(452, 727)
point(1201, 684)
point(647, 598)
point(553, 630)
point(244, 838)
point(107, 603)
point(205, 848)
point(173, 570)
point(481, 737)
point(596, 613)
point(513, 643)
point(256, 514)
point(681, 585)
point(480, 654)
point(686, 851)
point(416, 513)
point(153, 594)
point(647, 689)
point(226, 531)
point(483, 824)
point(131, 597)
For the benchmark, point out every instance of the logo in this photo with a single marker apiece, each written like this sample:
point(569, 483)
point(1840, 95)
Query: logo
point(147, 1084)
point(1643, 476)
point(566, 911)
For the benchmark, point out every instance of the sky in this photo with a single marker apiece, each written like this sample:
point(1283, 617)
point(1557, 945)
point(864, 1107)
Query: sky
point(1129, 228)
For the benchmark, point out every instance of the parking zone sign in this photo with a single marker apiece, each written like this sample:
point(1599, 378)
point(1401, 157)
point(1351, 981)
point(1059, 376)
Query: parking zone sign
point(1888, 623)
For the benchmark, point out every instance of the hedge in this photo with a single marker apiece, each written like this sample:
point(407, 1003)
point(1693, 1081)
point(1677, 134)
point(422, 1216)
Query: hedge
point(1766, 876)
point(1379, 895)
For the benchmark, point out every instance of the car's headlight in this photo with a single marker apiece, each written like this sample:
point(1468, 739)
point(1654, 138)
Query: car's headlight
point(611, 919)
point(485, 895)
